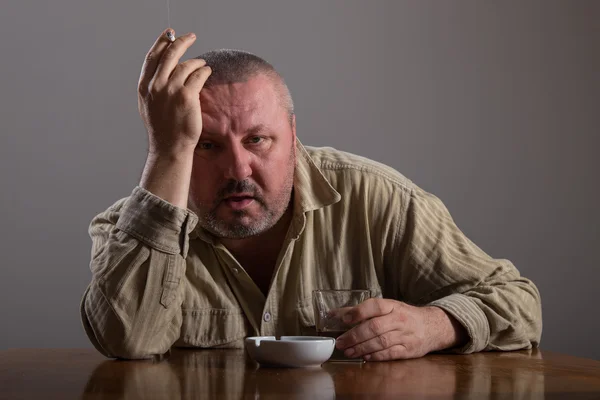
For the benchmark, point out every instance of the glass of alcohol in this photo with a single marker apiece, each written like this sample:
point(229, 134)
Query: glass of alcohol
point(330, 307)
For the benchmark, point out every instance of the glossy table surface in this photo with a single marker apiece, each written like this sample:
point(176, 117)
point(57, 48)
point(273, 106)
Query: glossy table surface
point(230, 374)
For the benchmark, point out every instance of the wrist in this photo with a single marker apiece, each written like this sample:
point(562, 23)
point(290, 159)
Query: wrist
point(446, 330)
point(174, 152)
point(167, 175)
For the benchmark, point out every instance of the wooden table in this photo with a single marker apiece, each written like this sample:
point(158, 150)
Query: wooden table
point(229, 374)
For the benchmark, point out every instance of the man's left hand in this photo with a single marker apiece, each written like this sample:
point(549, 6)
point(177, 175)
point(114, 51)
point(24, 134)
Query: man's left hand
point(390, 330)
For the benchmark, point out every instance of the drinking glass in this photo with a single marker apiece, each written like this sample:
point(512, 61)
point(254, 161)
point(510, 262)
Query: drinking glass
point(330, 306)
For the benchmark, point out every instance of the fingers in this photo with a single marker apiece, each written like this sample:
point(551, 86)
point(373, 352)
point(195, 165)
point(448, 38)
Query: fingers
point(198, 78)
point(397, 352)
point(376, 344)
point(369, 309)
point(170, 58)
point(366, 331)
point(152, 59)
point(183, 71)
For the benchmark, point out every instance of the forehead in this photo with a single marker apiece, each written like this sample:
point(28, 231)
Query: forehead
point(257, 95)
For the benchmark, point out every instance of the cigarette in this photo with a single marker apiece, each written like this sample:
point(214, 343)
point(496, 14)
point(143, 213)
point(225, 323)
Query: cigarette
point(170, 36)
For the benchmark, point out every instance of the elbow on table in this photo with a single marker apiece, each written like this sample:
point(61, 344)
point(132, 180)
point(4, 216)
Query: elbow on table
point(535, 322)
point(114, 339)
point(114, 343)
point(131, 349)
point(531, 319)
point(525, 314)
point(519, 329)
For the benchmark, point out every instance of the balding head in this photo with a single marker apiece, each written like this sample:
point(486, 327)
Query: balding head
point(234, 66)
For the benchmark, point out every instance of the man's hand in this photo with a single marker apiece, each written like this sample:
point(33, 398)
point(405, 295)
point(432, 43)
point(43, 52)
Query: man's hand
point(169, 95)
point(390, 330)
point(169, 103)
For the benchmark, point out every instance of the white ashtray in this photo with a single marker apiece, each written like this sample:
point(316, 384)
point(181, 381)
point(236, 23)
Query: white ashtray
point(290, 351)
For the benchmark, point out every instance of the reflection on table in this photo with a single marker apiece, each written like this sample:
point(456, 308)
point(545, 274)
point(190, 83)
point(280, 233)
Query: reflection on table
point(230, 374)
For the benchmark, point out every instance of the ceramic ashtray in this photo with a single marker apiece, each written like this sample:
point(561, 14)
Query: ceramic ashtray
point(290, 351)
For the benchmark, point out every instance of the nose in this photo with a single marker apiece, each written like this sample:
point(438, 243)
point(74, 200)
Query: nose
point(237, 163)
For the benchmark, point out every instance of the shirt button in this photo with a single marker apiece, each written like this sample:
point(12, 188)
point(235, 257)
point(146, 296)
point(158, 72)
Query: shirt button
point(267, 317)
point(235, 270)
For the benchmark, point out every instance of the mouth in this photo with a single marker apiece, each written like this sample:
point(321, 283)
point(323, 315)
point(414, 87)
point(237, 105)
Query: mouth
point(238, 201)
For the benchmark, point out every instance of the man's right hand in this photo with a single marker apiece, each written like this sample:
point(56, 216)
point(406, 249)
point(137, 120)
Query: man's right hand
point(169, 95)
point(169, 103)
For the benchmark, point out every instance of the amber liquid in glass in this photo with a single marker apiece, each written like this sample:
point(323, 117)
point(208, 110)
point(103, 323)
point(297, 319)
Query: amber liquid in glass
point(338, 355)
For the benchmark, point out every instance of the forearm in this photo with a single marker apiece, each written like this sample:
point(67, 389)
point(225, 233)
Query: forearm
point(167, 175)
point(441, 267)
point(132, 308)
point(139, 320)
point(501, 314)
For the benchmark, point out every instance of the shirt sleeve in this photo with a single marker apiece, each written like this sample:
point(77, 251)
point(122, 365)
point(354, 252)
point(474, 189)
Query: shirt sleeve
point(440, 266)
point(132, 307)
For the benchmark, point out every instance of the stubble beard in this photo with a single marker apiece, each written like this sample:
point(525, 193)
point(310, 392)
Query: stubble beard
point(236, 228)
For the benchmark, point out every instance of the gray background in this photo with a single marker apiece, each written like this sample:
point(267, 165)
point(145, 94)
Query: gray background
point(492, 106)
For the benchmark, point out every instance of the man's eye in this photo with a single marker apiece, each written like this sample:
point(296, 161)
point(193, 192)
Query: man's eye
point(256, 139)
point(205, 146)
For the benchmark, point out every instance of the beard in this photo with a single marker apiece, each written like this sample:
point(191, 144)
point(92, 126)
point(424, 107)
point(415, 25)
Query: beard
point(241, 224)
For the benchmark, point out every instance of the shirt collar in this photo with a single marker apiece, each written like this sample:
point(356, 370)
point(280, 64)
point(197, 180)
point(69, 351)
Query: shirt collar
point(312, 191)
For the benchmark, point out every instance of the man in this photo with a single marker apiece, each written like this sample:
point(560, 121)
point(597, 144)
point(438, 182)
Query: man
point(234, 223)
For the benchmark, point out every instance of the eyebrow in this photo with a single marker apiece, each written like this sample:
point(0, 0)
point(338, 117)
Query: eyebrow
point(255, 129)
point(252, 131)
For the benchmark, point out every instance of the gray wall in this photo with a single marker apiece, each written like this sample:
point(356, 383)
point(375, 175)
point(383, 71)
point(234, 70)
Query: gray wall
point(492, 106)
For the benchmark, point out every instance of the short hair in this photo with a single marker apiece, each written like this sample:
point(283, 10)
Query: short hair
point(231, 66)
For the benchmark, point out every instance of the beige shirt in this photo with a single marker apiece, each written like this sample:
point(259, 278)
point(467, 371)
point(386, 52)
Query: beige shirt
point(160, 280)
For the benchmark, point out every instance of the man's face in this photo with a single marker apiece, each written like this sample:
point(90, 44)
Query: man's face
point(244, 163)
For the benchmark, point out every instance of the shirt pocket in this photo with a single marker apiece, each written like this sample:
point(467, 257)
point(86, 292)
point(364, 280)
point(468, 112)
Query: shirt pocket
point(214, 327)
point(305, 316)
